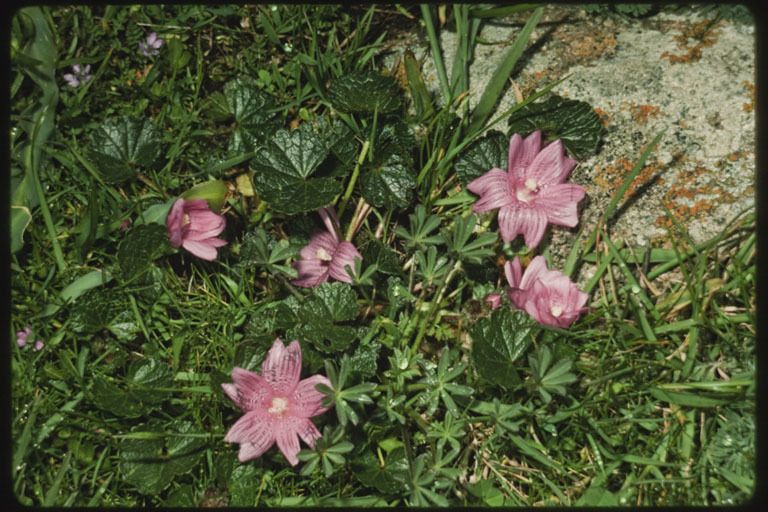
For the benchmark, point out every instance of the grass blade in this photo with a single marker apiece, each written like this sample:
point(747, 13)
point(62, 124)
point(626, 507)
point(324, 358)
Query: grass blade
point(496, 85)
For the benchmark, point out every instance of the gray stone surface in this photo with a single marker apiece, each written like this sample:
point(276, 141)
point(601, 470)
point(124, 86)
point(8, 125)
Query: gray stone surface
point(665, 72)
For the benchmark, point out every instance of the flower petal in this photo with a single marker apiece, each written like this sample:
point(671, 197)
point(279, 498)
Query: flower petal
point(560, 203)
point(345, 255)
point(201, 249)
point(311, 273)
point(522, 152)
point(514, 272)
point(529, 222)
point(550, 165)
point(319, 240)
point(493, 189)
point(328, 214)
point(306, 400)
point(308, 432)
point(286, 435)
point(173, 223)
point(249, 390)
point(253, 427)
point(282, 367)
point(537, 270)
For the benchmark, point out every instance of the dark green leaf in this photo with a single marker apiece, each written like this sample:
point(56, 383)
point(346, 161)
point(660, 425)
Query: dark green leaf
point(254, 112)
point(140, 247)
point(387, 479)
point(385, 259)
point(574, 122)
point(363, 361)
point(395, 141)
point(241, 488)
point(145, 379)
point(498, 341)
point(109, 397)
point(331, 302)
point(388, 184)
point(250, 106)
point(490, 152)
point(282, 172)
point(364, 91)
point(120, 144)
point(150, 464)
point(95, 309)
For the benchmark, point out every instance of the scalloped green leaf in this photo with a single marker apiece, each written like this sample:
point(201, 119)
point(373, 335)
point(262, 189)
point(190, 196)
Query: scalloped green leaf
point(388, 479)
point(282, 171)
point(151, 463)
point(499, 341)
point(254, 112)
point(572, 121)
point(331, 302)
point(141, 245)
point(329, 305)
point(146, 378)
point(388, 184)
point(118, 145)
point(365, 91)
point(95, 309)
point(491, 151)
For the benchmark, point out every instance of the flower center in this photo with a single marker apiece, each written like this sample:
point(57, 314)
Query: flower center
point(279, 406)
point(556, 311)
point(322, 254)
point(528, 191)
point(185, 220)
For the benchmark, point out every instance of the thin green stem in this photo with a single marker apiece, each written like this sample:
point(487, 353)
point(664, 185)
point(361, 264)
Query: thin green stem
point(353, 178)
point(435, 304)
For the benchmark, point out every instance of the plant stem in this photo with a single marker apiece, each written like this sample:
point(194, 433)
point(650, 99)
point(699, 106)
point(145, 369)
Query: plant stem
point(353, 178)
point(435, 305)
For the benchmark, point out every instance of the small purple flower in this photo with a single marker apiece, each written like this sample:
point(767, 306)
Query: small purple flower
point(153, 45)
point(79, 76)
point(22, 339)
point(22, 336)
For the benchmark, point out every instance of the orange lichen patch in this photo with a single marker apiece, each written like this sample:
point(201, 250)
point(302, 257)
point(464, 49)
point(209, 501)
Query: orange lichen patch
point(610, 178)
point(604, 116)
point(678, 197)
point(641, 113)
point(750, 87)
point(702, 33)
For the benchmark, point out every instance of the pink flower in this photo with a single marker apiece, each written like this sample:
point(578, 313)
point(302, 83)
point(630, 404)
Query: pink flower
point(153, 45)
point(531, 192)
point(192, 225)
point(22, 336)
point(547, 295)
point(325, 256)
point(494, 299)
point(277, 405)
